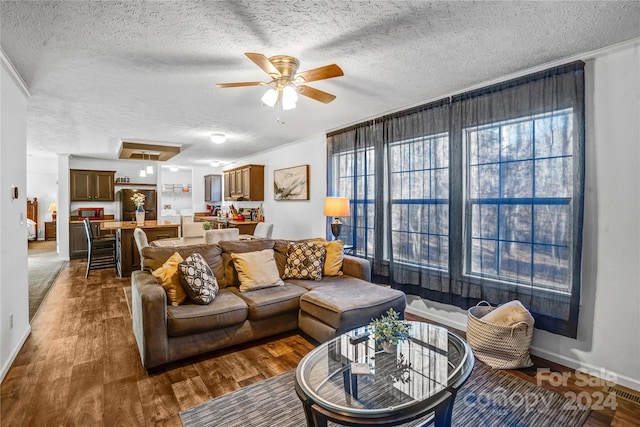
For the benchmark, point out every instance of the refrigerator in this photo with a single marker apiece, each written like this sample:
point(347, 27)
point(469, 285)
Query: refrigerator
point(129, 209)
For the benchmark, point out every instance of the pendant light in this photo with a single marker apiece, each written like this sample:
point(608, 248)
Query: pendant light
point(149, 166)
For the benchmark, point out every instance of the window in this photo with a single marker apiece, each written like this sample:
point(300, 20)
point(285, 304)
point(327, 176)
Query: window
point(475, 197)
point(354, 175)
point(419, 170)
point(518, 200)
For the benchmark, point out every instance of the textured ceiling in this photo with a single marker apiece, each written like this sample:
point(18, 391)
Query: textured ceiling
point(100, 72)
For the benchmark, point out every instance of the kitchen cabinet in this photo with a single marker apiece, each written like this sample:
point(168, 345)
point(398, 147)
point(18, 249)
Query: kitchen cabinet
point(245, 183)
point(91, 186)
point(127, 254)
point(212, 193)
point(78, 238)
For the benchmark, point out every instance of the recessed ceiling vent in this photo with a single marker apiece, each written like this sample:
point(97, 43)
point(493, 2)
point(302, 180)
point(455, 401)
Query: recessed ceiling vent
point(149, 152)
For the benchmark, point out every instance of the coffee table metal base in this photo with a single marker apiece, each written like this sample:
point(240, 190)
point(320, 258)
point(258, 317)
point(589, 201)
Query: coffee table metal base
point(319, 416)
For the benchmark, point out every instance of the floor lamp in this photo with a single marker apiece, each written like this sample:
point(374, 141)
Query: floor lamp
point(336, 207)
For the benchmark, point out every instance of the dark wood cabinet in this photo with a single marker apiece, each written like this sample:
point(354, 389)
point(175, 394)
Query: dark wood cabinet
point(127, 254)
point(50, 230)
point(91, 186)
point(245, 183)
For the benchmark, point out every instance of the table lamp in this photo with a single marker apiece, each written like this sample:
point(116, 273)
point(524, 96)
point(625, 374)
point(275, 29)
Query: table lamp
point(336, 207)
point(53, 207)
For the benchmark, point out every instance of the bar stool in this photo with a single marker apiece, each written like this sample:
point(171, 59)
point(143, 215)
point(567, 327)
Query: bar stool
point(101, 251)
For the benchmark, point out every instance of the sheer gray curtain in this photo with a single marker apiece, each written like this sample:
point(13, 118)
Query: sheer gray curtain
point(475, 197)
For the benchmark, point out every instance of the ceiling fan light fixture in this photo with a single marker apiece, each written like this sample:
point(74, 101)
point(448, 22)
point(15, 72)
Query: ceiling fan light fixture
point(218, 138)
point(270, 97)
point(289, 98)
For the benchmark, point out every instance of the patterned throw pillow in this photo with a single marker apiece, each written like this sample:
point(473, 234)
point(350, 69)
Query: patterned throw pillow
point(198, 279)
point(304, 261)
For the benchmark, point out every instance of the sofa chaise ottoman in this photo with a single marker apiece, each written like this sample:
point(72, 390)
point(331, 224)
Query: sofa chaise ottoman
point(321, 309)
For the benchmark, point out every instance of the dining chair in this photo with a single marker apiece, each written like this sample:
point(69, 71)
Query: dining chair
point(101, 250)
point(141, 240)
point(214, 236)
point(263, 230)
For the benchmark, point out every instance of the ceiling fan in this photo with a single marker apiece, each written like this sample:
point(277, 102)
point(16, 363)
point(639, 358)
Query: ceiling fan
point(286, 82)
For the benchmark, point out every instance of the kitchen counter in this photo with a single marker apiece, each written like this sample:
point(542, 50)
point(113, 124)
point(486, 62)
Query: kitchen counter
point(131, 225)
point(127, 254)
point(245, 227)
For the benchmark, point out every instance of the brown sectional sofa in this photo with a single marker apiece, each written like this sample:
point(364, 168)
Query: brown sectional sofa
point(321, 309)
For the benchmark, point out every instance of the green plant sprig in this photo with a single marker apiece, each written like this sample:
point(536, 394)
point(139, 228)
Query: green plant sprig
point(390, 328)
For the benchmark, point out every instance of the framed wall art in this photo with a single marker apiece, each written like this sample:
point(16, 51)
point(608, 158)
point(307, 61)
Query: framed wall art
point(291, 183)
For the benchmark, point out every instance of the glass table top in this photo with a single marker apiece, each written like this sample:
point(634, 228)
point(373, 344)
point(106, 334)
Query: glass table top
point(349, 374)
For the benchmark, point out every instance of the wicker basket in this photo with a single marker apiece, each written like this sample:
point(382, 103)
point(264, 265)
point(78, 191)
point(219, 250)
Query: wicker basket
point(501, 347)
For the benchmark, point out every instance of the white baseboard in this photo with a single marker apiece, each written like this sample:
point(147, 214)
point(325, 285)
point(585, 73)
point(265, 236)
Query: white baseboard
point(536, 351)
point(14, 354)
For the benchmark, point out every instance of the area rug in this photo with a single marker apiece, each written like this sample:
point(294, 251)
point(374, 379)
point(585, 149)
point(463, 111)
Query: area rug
point(489, 398)
point(44, 268)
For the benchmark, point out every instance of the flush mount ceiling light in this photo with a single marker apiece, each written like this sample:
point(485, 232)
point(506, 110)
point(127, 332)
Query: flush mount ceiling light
point(286, 82)
point(215, 164)
point(174, 168)
point(218, 137)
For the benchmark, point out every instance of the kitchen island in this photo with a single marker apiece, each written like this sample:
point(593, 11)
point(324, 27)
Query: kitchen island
point(127, 256)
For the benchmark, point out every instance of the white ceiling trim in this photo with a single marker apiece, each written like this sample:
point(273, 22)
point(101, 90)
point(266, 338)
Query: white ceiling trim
point(15, 75)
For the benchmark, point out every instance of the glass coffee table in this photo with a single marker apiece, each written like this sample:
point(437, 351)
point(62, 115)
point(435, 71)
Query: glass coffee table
point(349, 381)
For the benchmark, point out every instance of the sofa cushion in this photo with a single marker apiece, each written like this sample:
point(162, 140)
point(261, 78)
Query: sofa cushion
point(345, 305)
point(239, 246)
point(256, 270)
point(327, 280)
point(269, 302)
point(198, 279)
point(169, 278)
point(186, 319)
point(153, 257)
point(304, 261)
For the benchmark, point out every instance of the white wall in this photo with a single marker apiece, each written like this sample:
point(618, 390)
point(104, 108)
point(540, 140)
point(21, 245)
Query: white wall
point(608, 334)
point(177, 200)
point(294, 219)
point(42, 182)
point(14, 293)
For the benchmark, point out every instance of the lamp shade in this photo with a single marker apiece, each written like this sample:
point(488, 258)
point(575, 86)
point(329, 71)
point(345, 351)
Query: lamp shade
point(270, 97)
point(52, 207)
point(336, 207)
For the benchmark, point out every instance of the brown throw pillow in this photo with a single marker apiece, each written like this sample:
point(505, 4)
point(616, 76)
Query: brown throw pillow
point(256, 270)
point(305, 261)
point(198, 279)
point(168, 277)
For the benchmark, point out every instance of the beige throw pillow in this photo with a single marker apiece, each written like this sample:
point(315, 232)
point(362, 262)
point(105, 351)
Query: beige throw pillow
point(169, 278)
point(509, 314)
point(256, 270)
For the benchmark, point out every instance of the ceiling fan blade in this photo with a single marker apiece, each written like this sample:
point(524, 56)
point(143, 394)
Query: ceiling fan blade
point(321, 73)
point(240, 84)
point(263, 62)
point(316, 94)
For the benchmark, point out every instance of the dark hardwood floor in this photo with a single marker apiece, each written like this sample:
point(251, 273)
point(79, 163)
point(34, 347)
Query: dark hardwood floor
point(80, 366)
